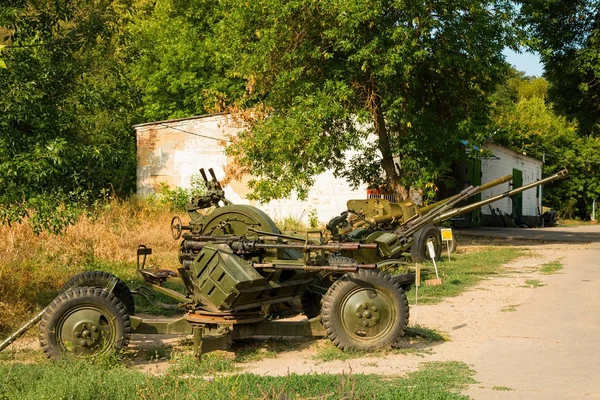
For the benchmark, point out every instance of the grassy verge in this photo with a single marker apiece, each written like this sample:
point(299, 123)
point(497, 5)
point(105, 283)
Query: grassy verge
point(464, 271)
point(81, 379)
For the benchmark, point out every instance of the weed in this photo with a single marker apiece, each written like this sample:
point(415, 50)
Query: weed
point(251, 351)
point(291, 224)
point(210, 363)
point(313, 218)
point(327, 351)
point(424, 333)
point(551, 267)
point(502, 388)
point(157, 353)
point(534, 283)
point(33, 267)
point(510, 308)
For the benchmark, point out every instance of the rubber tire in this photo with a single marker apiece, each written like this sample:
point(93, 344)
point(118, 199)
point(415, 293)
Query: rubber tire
point(333, 301)
point(311, 301)
point(66, 302)
point(418, 250)
point(99, 279)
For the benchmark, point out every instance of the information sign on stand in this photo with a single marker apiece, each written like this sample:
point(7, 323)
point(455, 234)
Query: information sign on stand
point(447, 237)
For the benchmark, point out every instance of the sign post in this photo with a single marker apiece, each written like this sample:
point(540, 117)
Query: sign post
point(447, 237)
point(437, 281)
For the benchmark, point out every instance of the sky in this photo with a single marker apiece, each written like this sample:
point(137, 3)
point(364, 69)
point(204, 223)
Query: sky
point(527, 62)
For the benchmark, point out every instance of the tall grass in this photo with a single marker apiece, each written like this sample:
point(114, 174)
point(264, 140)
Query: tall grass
point(32, 267)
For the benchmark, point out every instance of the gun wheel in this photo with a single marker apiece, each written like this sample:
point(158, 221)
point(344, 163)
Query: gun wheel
point(365, 310)
point(83, 322)
point(418, 250)
point(100, 279)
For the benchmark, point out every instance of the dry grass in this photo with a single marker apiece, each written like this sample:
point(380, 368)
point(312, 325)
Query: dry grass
point(32, 268)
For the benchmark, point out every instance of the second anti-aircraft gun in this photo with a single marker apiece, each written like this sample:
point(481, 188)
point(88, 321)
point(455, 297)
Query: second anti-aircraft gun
point(400, 228)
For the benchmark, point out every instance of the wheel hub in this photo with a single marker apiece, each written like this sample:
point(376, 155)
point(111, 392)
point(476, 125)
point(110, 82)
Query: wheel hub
point(87, 334)
point(367, 314)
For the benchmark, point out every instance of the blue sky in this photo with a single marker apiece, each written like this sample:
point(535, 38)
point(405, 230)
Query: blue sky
point(527, 62)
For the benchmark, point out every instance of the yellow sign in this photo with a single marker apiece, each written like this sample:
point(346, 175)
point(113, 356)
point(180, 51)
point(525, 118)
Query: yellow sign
point(446, 233)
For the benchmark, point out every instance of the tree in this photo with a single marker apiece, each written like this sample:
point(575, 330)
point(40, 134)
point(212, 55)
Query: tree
point(174, 65)
point(67, 109)
point(567, 35)
point(525, 122)
point(378, 78)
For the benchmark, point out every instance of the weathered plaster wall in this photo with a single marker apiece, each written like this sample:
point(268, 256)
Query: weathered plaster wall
point(173, 151)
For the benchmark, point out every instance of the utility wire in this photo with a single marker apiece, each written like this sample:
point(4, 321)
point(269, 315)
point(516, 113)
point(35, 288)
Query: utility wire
point(190, 133)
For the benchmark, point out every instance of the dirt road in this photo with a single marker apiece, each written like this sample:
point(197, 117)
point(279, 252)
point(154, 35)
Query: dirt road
point(549, 348)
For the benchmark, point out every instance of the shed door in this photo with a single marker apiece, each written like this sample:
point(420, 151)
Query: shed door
point(517, 200)
point(475, 177)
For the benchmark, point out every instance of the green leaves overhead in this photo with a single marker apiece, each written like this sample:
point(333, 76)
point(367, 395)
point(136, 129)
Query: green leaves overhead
point(175, 65)
point(525, 122)
point(567, 35)
point(412, 77)
point(67, 109)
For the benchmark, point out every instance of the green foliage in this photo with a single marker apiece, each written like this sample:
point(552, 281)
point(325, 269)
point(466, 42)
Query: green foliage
point(177, 198)
point(380, 78)
point(525, 122)
point(566, 33)
point(65, 133)
point(313, 218)
point(174, 65)
point(2, 63)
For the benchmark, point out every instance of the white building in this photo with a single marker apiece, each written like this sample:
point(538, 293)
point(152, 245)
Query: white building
point(525, 170)
point(524, 207)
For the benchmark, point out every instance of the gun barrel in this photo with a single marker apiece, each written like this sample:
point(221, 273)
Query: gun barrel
point(244, 245)
point(462, 210)
point(203, 175)
point(485, 186)
point(424, 210)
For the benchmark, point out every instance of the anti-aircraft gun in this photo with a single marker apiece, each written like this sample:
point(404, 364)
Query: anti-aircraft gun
point(239, 274)
point(399, 228)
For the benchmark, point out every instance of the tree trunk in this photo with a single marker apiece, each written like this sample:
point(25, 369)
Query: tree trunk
point(392, 174)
